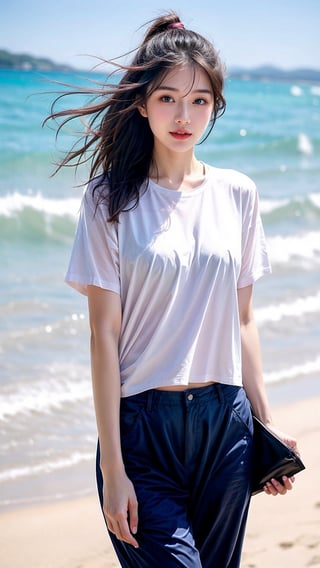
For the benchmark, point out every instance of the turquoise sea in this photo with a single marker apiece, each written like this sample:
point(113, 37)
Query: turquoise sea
point(271, 131)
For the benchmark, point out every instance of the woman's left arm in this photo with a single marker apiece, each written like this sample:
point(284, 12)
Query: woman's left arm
point(252, 378)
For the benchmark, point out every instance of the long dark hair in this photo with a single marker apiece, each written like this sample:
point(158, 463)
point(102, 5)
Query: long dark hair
point(118, 141)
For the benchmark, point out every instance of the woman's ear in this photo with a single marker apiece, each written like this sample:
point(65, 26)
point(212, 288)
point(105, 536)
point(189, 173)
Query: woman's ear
point(143, 111)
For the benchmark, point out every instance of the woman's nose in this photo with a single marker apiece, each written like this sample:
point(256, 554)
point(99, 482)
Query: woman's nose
point(183, 115)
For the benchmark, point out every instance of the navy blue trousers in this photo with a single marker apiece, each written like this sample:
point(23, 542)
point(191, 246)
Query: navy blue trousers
point(189, 457)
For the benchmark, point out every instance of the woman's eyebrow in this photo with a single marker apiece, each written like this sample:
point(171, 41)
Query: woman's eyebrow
point(167, 88)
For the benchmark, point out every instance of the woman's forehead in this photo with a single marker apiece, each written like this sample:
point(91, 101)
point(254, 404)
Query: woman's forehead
point(186, 78)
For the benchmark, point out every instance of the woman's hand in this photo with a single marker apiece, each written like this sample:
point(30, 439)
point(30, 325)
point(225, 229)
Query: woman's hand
point(274, 487)
point(120, 507)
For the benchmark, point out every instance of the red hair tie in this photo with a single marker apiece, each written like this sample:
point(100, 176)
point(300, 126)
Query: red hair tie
point(176, 25)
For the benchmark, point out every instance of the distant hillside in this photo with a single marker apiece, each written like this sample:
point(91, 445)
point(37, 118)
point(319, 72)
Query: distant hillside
point(274, 73)
point(26, 62)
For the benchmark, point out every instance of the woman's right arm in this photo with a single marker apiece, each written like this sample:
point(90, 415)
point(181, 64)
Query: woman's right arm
point(119, 499)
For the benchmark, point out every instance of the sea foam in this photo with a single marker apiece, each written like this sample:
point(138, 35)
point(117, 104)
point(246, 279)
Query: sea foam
point(12, 203)
point(307, 368)
point(46, 467)
point(305, 145)
point(44, 397)
point(296, 308)
point(302, 249)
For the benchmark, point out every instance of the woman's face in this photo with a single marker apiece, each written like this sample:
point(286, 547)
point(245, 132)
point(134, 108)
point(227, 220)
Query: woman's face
point(180, 109)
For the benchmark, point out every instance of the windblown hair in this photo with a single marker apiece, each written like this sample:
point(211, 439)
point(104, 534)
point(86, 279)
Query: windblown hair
point(118, 141)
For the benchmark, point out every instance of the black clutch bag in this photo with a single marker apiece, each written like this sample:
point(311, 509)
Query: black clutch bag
point(271, 458)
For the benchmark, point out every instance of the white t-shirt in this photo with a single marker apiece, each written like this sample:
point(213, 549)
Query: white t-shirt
point(176, 260)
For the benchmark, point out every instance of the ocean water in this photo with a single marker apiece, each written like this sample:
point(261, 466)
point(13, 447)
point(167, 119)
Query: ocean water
point(271, 131)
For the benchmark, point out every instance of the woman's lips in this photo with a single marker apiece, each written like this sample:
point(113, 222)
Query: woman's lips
point(180, 135)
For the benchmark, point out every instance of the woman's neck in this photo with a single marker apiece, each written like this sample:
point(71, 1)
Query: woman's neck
point(177, 172)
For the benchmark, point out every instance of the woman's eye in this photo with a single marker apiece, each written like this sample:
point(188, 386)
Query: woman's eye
point(200, 102)
point(166, 99)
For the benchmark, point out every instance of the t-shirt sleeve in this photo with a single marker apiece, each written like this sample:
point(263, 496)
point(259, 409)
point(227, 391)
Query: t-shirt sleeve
point(254, 258)
point(94, 258)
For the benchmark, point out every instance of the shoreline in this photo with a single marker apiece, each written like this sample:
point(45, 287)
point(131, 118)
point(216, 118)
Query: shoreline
point(291, 391)
point(280, 531)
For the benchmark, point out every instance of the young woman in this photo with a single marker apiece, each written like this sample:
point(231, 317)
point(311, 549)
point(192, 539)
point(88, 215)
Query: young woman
point(167, 250)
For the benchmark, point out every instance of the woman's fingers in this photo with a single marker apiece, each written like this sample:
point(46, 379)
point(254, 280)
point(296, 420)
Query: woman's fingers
point(120, 528)
point(274, 487)
point(125, 534)
point(133, 515)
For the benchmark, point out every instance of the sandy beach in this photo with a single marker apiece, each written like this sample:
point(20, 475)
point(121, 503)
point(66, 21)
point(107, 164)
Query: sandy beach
point(282, 531)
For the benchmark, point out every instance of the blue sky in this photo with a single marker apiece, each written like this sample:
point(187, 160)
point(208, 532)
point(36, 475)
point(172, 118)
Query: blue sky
point(247, 32)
